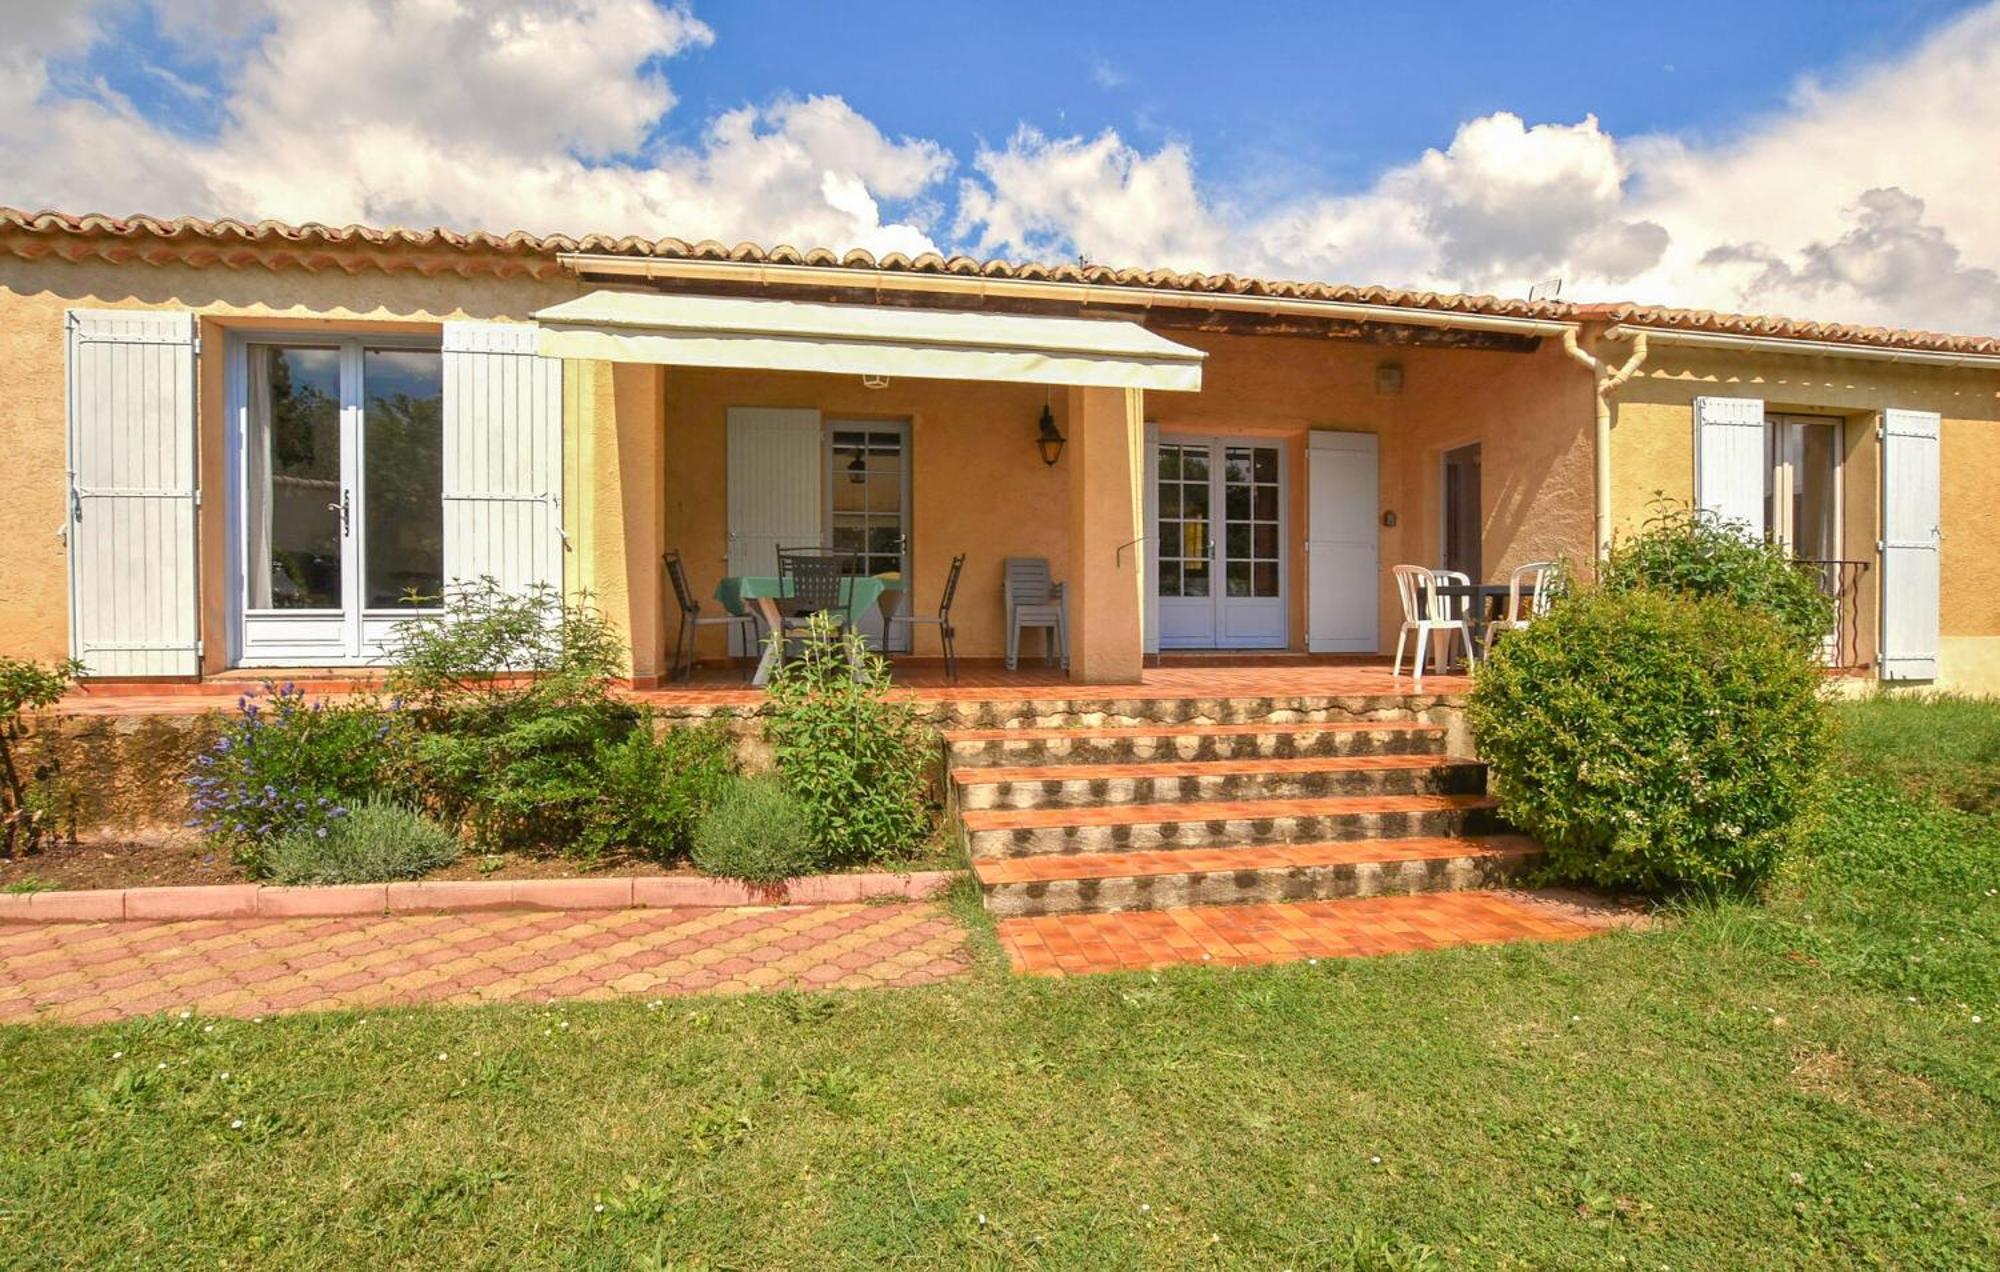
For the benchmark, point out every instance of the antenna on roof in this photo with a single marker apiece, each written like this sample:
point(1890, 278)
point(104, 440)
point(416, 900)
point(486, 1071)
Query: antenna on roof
point(1547, 289)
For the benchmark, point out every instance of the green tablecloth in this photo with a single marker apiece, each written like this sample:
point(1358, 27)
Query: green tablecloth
point(861, 592)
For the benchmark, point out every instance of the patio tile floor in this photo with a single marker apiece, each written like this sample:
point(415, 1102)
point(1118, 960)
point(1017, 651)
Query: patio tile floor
point(1075, 944)
point(87, 972)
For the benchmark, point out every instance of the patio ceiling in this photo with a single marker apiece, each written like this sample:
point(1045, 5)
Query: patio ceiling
point(782, 335)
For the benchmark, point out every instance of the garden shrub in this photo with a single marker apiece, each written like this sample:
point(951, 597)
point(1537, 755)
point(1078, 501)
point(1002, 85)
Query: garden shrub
point(282, 764)
point(1653, 741)
point(26, 814)
point(860, 764)
point(376, 842)
point(521, 740)
point(658, 784)
point(1692, 552)
point(757, 831)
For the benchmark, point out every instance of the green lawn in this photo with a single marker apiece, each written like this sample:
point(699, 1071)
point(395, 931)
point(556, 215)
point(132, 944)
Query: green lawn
point(1797, 1084)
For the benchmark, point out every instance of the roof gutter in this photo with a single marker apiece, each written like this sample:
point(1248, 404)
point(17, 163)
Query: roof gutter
point(1809, 348)
point(650, 267)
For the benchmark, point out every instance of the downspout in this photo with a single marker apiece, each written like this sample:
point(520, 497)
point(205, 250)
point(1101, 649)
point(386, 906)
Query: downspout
point(1605, 385)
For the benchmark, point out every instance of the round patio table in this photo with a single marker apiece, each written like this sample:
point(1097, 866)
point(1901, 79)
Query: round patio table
point(759, 594)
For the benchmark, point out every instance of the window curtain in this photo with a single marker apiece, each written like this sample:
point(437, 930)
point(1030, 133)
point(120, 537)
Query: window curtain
point(257, 475)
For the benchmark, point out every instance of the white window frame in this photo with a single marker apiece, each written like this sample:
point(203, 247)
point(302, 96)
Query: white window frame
point(236, 393)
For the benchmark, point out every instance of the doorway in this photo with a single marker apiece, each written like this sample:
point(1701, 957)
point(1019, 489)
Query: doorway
point(868, 511)
point(1463, 531)
point(341, 495)
point(1219, 543)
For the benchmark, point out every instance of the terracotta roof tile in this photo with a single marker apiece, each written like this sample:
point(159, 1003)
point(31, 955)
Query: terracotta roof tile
point(355, 248)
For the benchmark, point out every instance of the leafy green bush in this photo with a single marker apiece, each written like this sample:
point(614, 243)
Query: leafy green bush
point(376, 841)
point(859, 763)
point(1691, 552)
point(282, 764)
point(1651, 740)
point(658, 784)
point(521, 740)
point(758, 832)
point(25, 815)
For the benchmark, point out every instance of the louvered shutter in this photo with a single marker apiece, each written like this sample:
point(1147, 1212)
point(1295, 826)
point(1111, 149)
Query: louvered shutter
point(1910, 545)
point(503, 421)
point(1730, 459)
point(134, 587)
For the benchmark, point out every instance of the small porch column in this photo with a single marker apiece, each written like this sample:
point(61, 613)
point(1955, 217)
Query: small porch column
point(627, 506)
point(1105, 588)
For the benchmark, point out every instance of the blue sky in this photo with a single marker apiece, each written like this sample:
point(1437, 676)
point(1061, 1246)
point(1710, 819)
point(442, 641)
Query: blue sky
point(1823, 158)
point(1328, 93)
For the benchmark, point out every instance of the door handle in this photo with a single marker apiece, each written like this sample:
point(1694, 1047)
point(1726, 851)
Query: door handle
point(346, 510)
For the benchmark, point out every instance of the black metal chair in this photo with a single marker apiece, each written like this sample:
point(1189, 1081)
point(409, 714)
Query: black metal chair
point(947, 635)
point(812, 582)
point(692, 620)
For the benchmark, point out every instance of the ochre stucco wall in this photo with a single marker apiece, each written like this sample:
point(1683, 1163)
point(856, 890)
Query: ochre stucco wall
point(645, 447)
point(1653, 454)
point(977, 485)
point(1530, 412)
point(34, 598)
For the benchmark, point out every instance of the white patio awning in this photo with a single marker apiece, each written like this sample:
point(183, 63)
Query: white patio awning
point(784, 335)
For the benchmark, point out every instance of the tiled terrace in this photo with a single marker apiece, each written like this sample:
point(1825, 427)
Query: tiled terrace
point(925, 680)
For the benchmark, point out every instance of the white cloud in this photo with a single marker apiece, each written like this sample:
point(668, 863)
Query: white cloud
point(1863, 199)
point(499, 114)
point(1867, 200)
point(1099, 198)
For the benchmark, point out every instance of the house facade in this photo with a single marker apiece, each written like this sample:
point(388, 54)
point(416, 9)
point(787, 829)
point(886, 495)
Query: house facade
point(241, 447)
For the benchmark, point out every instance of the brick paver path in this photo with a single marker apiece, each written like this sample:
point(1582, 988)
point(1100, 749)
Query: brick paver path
point(98, 971)
point(1067, 944)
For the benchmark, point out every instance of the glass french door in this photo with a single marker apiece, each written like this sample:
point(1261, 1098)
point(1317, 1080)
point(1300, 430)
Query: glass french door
point(868, 510)
point(1219, 544)
point(1802, 504)
point(342, 485)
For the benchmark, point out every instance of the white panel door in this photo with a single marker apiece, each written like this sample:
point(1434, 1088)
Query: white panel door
point(1731, 461)
point(1343, 547)
point(1910, 545)
point(773, 486)
point(134, 594)
point(502, 457)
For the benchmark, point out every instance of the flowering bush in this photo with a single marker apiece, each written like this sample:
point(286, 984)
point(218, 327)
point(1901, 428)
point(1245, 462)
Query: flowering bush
point(282, 764)
point(1651, 740)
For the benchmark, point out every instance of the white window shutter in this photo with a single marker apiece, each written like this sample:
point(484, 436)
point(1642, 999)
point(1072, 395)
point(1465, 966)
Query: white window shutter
point(1910, 545)
point(134, 584)
point(503, 469)
point(1730, 459)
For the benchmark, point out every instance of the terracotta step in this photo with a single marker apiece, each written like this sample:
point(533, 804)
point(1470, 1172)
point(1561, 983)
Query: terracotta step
point(1207, 936)
point(1056, 710)
point(1157, 879)
point(1088, 785)
point(1221, 823)
point(1201, 741)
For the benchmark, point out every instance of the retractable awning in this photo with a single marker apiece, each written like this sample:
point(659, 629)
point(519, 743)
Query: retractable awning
point(783, 335)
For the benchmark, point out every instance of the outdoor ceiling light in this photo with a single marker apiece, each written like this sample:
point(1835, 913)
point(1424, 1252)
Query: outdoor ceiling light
point(1050, 440)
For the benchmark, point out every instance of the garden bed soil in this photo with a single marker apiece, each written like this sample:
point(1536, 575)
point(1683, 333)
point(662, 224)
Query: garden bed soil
point(183, 859)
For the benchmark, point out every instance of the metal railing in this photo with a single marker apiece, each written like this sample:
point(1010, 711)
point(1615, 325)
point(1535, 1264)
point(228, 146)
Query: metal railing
point(1840, 580)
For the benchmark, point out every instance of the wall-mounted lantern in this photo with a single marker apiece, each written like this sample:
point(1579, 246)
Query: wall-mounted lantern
point(1049, 441)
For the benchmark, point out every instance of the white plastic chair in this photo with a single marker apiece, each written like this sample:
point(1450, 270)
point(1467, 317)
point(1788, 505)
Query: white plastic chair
point(1538, 580)
point(1033, 600)
point(1426, 612)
